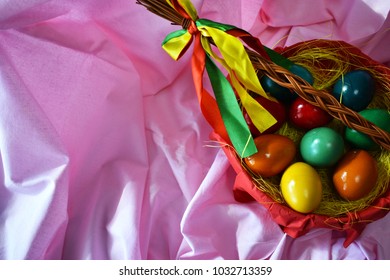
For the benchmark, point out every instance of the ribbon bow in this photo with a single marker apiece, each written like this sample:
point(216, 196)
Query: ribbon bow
point(223, 113)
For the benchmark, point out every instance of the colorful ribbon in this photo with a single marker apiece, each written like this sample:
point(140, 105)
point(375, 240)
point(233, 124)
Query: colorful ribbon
point(223, 113)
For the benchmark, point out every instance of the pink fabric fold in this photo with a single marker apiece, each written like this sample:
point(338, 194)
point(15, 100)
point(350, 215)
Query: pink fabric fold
point(105, 153)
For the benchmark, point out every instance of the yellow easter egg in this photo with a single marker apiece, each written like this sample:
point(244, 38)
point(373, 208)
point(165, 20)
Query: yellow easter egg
point(301, 187)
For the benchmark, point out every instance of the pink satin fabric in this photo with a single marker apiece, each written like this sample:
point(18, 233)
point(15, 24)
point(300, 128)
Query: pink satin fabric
point(105, 153)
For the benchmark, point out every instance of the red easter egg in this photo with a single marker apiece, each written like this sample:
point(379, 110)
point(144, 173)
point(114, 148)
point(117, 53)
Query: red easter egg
point(276, 108)
point(304, 115)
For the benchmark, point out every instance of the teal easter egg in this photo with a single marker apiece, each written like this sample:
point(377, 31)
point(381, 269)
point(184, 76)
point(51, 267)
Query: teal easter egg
point(283, 94)
point(302, 72)
point(379, 117)
point(322, 147)
point(355, 89)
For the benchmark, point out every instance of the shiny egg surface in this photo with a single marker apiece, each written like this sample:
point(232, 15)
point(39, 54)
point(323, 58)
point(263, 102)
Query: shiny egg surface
point(274, 153)
point(301, 187)
point(379, 117)
point(322, 147)
point(355, 175)
point(355, 89)
point(304, 115)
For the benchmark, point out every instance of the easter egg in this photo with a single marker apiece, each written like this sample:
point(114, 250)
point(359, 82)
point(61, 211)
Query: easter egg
point(283, 94)
point(274, 153)
point(379, 117)
point(322, 147)
point(301, 187)
point(302, 72)
point(277, 110)
point(355, 89)
point(355, 175)
point(304, 115)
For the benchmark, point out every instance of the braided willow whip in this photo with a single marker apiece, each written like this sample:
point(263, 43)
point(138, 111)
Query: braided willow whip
point(285, 78)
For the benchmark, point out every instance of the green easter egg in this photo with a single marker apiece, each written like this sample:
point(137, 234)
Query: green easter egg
point(322, 147)
point(379, 117)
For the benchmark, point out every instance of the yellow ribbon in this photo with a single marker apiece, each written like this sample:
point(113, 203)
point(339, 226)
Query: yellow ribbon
point(176, 45)
point(242, 74)
point(234, 59)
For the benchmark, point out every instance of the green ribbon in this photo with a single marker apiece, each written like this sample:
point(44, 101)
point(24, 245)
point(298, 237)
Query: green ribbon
point(232, 116)
point(278, 59)
point(220, 26)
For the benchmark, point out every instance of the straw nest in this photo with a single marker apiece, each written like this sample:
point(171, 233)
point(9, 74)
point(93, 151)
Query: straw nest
point(328, 61)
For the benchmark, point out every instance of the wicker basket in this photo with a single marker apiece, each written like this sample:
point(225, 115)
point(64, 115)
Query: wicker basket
point(340, 215)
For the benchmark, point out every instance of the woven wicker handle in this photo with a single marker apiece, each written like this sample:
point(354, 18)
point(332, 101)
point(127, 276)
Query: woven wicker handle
point(320, 98)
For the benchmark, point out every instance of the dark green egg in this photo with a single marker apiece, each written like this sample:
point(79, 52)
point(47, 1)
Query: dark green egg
point(379, 117)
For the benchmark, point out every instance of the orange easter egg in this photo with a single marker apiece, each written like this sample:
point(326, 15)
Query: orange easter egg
point(355, 175)
point(274, 153)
